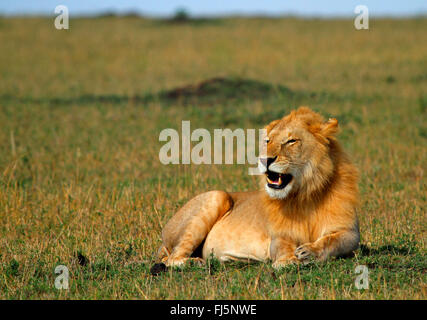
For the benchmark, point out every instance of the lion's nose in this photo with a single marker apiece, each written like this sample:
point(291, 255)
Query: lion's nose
point(267, 161)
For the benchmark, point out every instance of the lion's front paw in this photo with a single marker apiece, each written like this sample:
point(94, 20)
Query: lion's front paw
point(176, 261)
point(305, 253)
point(181, 261)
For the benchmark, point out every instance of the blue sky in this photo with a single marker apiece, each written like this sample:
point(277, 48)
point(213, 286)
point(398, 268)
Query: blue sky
point(218, 7)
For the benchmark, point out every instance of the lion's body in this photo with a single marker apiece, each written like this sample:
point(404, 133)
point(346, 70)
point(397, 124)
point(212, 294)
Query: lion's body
point(231, 239)
point(313, 217)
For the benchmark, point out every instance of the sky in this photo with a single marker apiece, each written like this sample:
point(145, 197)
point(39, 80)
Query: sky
point(217, 7)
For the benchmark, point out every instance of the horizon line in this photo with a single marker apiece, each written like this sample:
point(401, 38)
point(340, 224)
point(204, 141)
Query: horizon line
point(140, 14)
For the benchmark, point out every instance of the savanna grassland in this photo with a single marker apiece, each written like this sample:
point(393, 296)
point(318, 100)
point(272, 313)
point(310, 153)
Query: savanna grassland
point(81, 183)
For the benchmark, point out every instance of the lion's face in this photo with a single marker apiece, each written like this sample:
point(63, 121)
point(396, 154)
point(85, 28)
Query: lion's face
point(297, 156)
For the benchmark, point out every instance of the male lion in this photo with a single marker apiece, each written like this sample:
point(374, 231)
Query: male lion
point(306, 210)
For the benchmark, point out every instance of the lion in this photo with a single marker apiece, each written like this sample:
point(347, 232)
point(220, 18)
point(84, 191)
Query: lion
point(306, 210)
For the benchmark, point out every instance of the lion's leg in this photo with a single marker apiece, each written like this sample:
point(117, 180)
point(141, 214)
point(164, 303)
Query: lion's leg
point(186, 230)
point(334, 244)
point(282, 252)
point(163, 254)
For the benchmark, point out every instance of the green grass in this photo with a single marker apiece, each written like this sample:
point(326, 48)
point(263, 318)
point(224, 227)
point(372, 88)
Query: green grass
point(81, 112)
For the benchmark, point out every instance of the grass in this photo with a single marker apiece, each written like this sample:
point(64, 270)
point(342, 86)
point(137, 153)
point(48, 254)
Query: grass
point(80, 180)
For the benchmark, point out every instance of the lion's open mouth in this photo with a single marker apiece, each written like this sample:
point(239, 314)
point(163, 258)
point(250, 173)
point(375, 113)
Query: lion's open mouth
point(278, 180)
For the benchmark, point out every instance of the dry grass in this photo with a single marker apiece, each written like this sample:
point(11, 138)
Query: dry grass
point(79, 154)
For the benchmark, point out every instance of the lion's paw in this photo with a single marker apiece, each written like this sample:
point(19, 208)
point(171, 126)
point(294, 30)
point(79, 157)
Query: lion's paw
point(181, 261)
point(176, 262)
point(305, 253)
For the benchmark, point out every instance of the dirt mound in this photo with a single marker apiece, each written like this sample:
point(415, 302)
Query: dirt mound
point(223, 90)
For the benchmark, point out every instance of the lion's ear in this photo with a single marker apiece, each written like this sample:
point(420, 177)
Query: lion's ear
point(330, 128)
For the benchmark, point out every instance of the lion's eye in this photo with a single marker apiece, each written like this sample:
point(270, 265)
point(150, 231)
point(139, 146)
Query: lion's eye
point(291, 141)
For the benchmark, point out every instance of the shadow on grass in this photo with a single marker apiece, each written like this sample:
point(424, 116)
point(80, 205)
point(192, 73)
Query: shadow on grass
point(387, 250)
point(219, 90)
point(403, 257)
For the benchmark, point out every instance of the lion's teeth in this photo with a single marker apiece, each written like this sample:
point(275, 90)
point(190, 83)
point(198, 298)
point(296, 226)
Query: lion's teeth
point(278, 182)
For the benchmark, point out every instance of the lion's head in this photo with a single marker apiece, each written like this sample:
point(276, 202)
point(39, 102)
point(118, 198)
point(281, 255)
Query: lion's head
point(301, 154)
